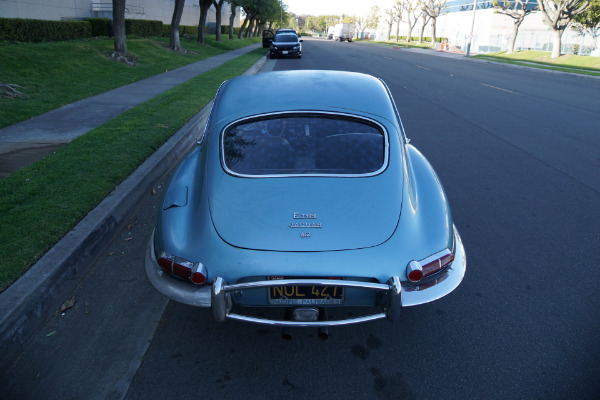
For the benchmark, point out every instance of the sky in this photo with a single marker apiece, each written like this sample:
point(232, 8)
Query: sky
point(335, 7)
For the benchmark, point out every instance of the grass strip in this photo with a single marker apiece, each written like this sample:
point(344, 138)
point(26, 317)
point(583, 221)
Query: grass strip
point(585, 65)
point(58, 73)
point(400, 43)
point(39, 204)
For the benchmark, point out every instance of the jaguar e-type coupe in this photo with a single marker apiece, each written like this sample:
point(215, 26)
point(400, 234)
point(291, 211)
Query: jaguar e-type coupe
point(302, 200)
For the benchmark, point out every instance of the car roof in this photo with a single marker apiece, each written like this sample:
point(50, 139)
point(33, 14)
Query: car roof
point(303, 90)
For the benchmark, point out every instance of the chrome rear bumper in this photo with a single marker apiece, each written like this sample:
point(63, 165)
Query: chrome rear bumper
point(221, 300)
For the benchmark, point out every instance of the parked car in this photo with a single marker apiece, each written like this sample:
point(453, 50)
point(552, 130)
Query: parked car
point(286, 44)
point(305, 205)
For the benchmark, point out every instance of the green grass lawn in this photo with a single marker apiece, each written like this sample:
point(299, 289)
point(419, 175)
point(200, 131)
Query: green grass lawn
point(540, 59)
point(39, 204)
point(400, 43)
point(58, 73)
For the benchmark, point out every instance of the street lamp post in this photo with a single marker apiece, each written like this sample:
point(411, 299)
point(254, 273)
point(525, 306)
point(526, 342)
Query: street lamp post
point(472, 26)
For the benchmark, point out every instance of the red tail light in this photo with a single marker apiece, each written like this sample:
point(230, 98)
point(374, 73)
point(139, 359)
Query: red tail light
point(417, 270)
point(195, 272)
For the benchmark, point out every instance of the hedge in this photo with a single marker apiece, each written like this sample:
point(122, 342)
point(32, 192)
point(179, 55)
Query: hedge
point(40, 30)
point(100, 26)
point(143, 28)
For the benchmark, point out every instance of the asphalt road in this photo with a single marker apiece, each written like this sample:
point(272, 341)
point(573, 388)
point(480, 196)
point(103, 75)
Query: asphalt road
point(518, 152)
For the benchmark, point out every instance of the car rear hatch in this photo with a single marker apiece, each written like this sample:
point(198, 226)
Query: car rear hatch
point(305, 213)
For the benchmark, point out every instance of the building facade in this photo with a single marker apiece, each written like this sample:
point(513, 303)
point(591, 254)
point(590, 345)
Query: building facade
point(157, 10)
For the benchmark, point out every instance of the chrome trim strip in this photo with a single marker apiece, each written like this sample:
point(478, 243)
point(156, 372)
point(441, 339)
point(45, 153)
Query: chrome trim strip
point(315, 324)
point(306, 282)
point(301, 113)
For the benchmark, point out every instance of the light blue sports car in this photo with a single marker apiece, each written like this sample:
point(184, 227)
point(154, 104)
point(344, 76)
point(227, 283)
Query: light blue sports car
point(304, 201)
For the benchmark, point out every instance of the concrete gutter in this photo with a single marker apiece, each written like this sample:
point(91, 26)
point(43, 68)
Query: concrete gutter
point(28, 304)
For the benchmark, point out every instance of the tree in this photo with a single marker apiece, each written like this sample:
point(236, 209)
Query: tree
point(413, 12)
point(373, 18)
point(589, 22)
point(218, 6)
point(389, 18)
point(433, 9)
point(360, 25)
point(424, 21)
point(234, 7)
point(398, 10)
point(559, 13)
point(174, 43)
point(204, 6)
point(517, 10)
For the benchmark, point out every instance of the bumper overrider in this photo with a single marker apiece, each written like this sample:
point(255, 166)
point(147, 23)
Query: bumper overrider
point(218, 295)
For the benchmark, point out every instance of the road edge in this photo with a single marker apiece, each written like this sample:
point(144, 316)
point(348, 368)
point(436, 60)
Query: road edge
point(29, 303)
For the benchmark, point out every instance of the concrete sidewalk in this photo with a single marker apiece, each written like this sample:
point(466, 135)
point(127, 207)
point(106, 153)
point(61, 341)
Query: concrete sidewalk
point(35, 297)
point(28, 141)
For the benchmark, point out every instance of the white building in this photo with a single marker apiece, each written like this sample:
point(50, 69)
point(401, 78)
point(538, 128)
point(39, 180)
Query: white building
point(157, 10)
point(492, 31)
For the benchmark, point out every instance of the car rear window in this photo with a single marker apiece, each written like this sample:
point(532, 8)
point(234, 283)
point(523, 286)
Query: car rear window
point(304, 145)
point(286, 37)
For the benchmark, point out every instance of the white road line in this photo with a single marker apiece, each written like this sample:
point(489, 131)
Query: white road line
point(504, 90)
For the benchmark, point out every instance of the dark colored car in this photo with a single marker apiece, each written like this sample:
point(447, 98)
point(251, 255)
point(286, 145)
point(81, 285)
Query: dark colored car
point(286, 44)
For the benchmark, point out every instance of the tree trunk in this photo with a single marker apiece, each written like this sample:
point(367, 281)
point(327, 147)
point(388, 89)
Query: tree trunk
point(231, 21)
point(204, 6)
point(557, 43)
point(389, 33)
point(119, 27)
point(241, 32)
point(433, 31)
point(513, 39)
point(174, 43)
point(218, 6)
point(422, 30)
point(409, 34)
point(250, 27)
point(398, 29)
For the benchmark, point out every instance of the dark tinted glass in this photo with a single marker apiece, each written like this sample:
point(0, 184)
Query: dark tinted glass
point(286, 37)
point(304, 145)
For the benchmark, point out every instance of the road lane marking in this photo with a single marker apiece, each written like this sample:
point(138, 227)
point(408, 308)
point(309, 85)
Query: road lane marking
point(497, 88)
point(389, 58)
point(418, 66)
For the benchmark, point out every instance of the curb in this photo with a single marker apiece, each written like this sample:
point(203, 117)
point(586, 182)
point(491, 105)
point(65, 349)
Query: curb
point(29, 303)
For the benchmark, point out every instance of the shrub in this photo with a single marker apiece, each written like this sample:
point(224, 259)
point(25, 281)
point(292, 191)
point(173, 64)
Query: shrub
point(39, 30)
point(100, 26)
point(143, 28)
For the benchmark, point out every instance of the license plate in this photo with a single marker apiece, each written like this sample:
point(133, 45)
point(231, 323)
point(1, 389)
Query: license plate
point(284, 52)
point(306, 295)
